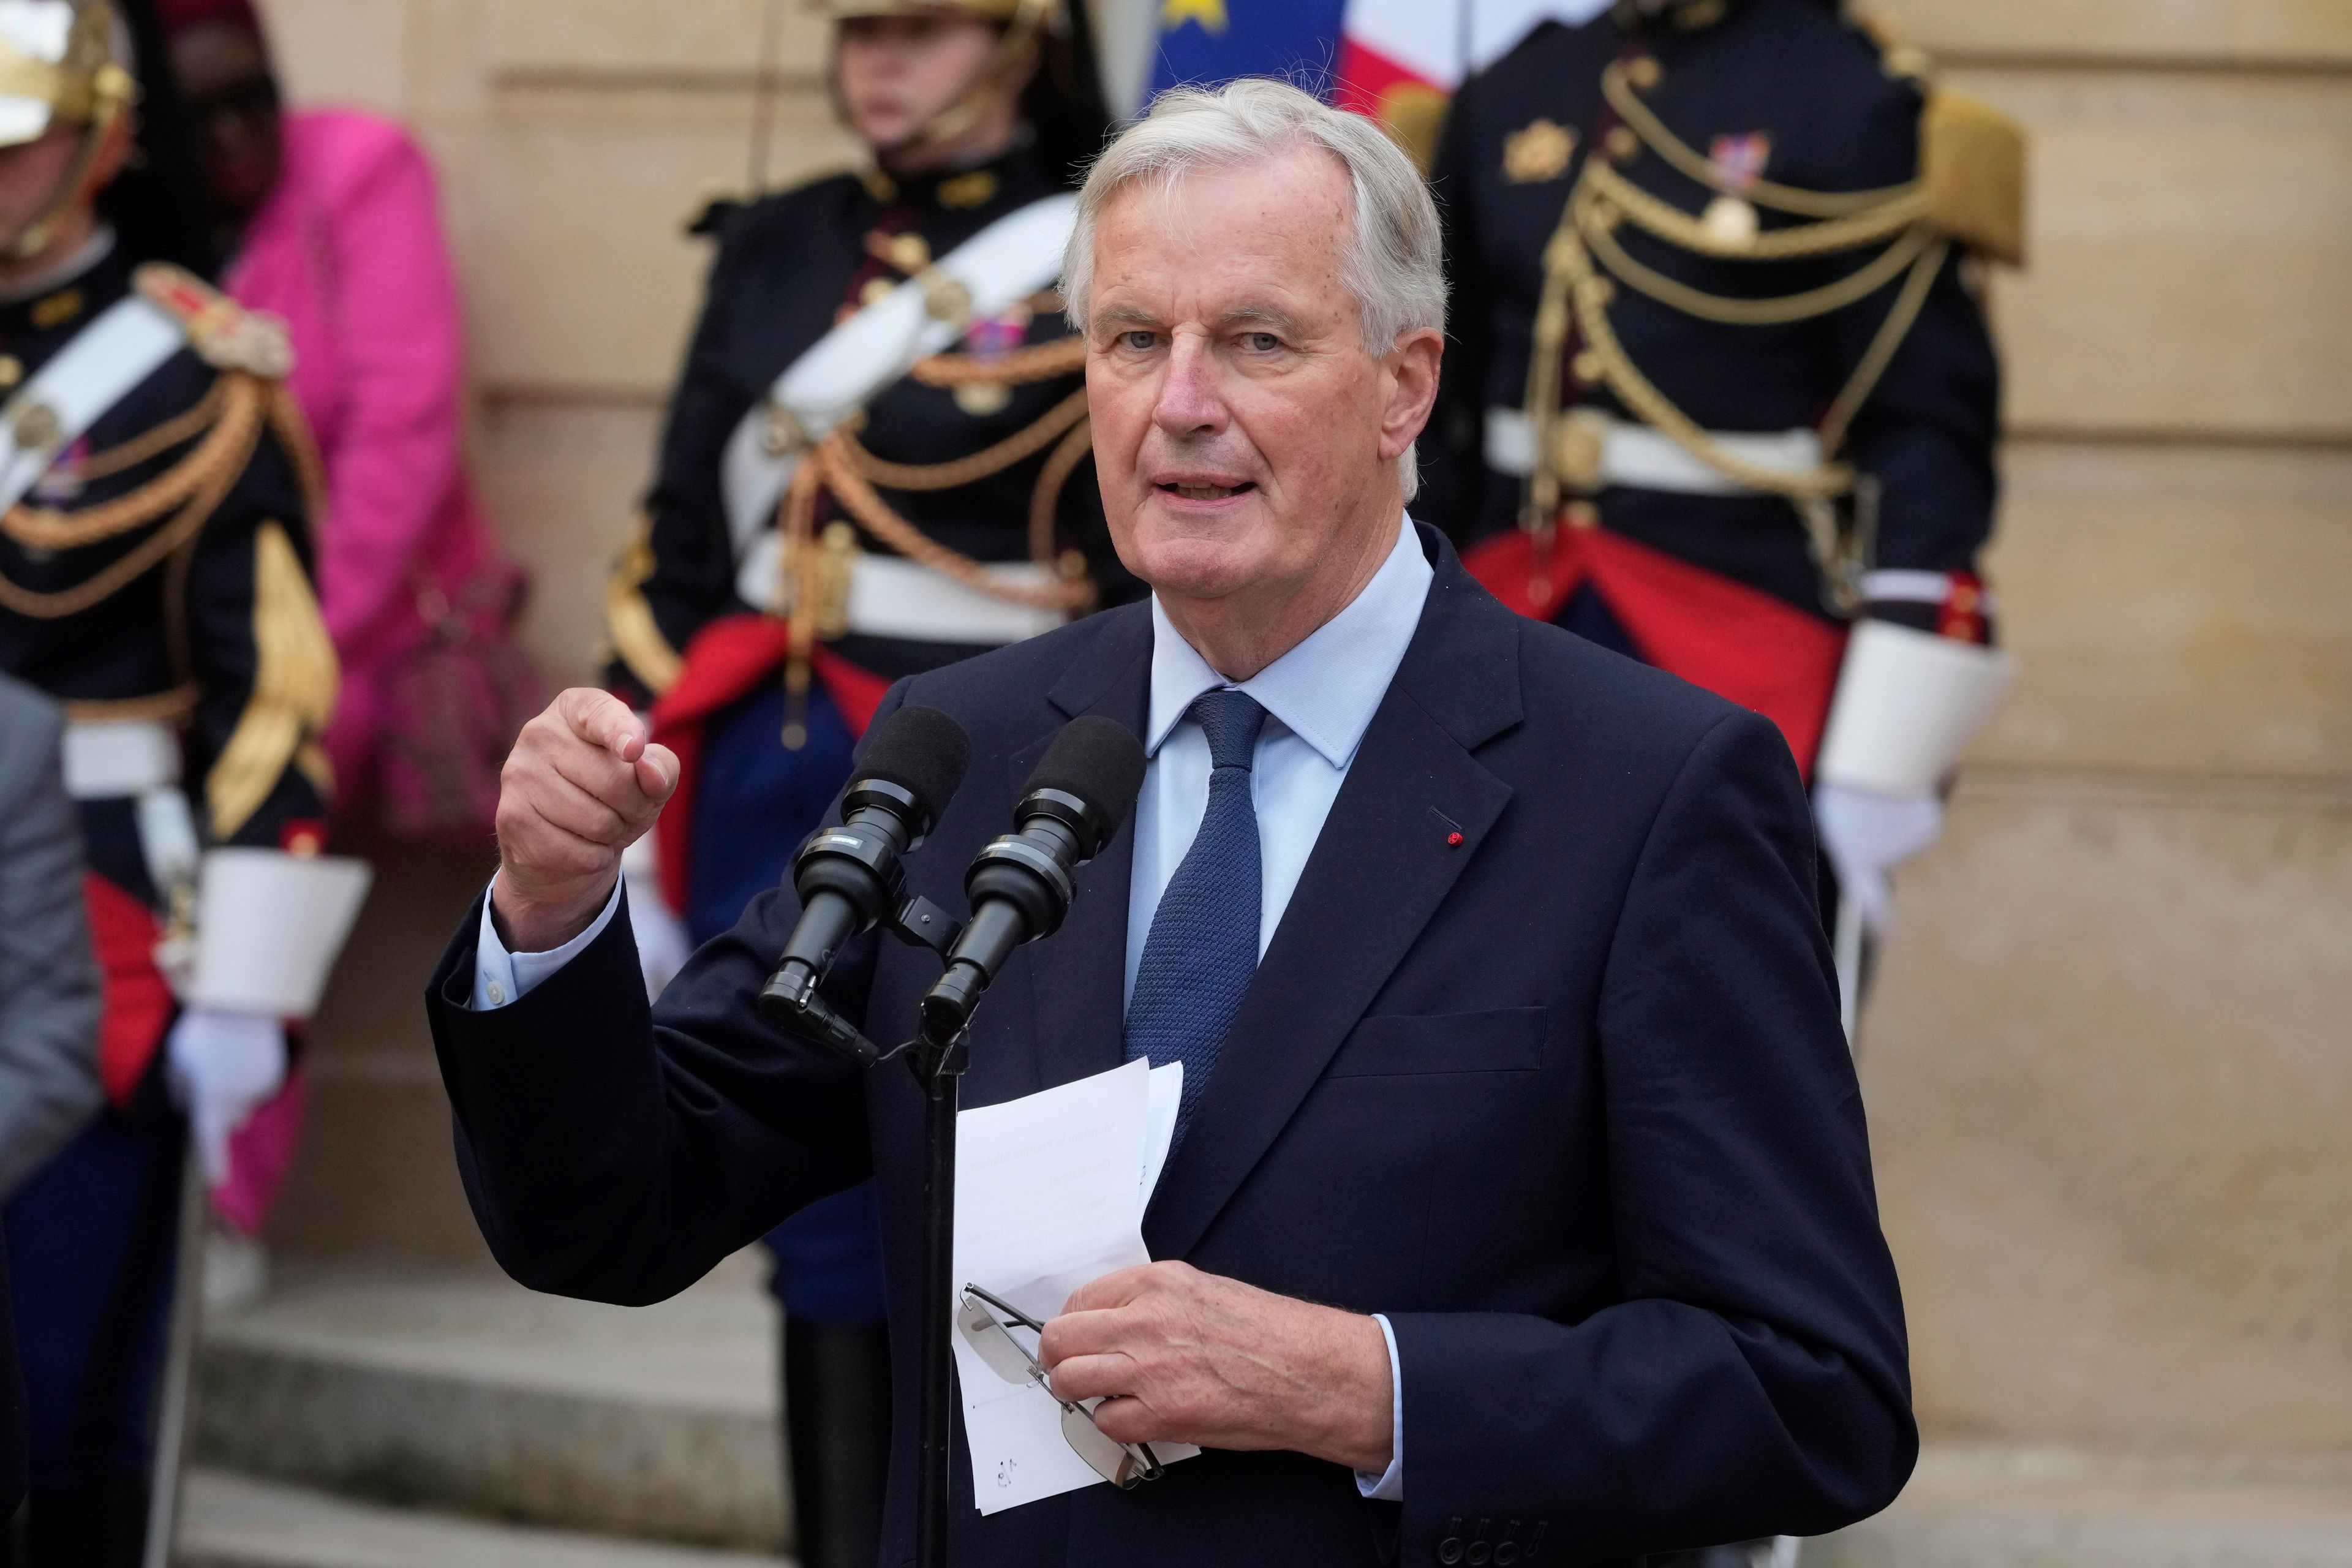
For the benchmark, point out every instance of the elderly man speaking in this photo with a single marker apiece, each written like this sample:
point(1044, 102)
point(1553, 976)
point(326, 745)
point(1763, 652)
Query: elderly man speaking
point(1520, 1208)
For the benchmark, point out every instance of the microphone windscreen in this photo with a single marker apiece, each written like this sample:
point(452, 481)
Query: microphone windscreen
point(1099, 760)
point(922, 751)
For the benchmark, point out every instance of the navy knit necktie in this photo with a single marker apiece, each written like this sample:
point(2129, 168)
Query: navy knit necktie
point(1203, 950)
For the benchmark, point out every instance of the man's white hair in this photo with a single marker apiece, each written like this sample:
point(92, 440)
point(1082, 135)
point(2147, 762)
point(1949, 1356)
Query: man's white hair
point(1393, 267)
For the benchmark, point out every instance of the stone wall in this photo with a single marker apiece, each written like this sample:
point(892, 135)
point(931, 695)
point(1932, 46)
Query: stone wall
point(2108, 1065)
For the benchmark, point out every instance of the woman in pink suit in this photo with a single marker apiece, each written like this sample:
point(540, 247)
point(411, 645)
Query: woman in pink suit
point(330, 219)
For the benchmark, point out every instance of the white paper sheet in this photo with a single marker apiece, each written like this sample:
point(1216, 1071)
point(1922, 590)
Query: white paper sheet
point(1050, 1192)
point(1167, 1092)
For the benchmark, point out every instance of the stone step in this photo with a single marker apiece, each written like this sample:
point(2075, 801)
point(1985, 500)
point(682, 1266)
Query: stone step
point(468, 1392)
point(1971, 1507)
point(235, 1521)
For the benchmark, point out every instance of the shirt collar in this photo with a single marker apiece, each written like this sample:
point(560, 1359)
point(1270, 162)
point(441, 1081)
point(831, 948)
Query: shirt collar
point(1327, 689)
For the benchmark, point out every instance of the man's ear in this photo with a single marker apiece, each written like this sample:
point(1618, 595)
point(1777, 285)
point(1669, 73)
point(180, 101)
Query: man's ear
point(114, 152)
point(1411, 372)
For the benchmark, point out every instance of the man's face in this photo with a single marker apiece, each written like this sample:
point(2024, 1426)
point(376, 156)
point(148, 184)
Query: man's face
point(1243, 436)
point(32, 175)
point(898, 74)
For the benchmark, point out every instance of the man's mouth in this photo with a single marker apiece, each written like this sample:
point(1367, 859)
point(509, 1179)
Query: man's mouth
point(1206, 492)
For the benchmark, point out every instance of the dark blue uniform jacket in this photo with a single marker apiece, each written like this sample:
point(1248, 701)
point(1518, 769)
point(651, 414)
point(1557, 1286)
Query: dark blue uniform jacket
point(1567, 1100)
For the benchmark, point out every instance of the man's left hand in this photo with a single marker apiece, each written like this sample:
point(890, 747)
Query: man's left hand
point(1186, 1357)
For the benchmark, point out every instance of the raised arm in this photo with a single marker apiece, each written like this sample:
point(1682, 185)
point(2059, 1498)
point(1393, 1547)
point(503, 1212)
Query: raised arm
point(612, 1149)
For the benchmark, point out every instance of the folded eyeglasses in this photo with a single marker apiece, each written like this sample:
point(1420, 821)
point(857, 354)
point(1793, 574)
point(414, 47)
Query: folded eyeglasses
point(987, 1322)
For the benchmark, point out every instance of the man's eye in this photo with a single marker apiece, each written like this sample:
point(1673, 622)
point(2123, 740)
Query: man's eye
point(1138, 340)
point(1261, 343)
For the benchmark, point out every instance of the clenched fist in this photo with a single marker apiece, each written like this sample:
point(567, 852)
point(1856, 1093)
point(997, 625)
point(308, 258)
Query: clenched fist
point(580, 785)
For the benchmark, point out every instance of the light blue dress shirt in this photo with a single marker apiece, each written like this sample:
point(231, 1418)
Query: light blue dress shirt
point(1320, 699)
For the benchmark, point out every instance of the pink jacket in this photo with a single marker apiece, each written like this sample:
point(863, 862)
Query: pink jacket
point(348, 249)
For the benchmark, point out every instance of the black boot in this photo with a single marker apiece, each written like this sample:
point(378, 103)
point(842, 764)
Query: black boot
point(837, 1438)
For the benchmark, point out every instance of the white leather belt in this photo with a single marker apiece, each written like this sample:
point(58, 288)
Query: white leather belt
point(1643, 458)
point(111, 759)
point(890, 597)
point(138, 759)
point(893, 597)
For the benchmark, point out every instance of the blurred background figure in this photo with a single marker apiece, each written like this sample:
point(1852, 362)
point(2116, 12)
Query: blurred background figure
point(876, 462)
point(1723, 385)
point(153, 578)
point(49, 1001)
point(49, 996)
point(329, 220)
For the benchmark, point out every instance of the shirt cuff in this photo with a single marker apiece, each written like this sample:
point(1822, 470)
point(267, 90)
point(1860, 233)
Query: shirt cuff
point(501, 977)
point(1388, 1485)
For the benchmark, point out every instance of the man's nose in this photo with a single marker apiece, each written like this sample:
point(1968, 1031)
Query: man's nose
point(1188, 404)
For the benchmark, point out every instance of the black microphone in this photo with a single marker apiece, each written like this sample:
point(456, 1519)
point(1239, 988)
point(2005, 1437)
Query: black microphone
point(849, 877)
point(1020, 887)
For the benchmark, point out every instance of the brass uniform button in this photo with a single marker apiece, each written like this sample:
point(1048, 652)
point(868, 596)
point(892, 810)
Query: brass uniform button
point(12, 370)
point(982, 398)
point(876, 289)
point(37, 428)
point(1583, 514)
point(55, 309)
point(1622, 144)
point(909, 252)
point(1645, 72)
point(1586, 367)
point(977, 188)
point(1538, 153)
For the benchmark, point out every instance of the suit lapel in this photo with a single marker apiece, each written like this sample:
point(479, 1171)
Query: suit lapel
point(1380, 868)
point(1077, 975)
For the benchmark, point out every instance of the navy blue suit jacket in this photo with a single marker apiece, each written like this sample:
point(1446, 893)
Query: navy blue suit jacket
point(1567, 1100)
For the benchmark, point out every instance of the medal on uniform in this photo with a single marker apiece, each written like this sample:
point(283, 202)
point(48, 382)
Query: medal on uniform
point(1730, 219)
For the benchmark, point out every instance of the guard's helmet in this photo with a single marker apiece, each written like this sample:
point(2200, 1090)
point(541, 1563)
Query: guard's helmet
point(71, 65)
point(1064, 100)
point(62, 64)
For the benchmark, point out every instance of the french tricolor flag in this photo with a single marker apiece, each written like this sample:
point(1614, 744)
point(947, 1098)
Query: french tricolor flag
point(1400, 61)
point(1396, 60)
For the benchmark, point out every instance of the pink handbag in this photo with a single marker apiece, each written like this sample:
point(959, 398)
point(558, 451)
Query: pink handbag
point(453, 707)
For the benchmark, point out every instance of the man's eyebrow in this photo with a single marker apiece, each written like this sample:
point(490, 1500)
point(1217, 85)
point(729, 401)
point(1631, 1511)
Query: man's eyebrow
point(1122, 316)
point(1261, 314)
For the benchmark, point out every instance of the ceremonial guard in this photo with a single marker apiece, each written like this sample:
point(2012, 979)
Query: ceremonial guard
point(154, 552)
point(876, 462)
point(1723, 395)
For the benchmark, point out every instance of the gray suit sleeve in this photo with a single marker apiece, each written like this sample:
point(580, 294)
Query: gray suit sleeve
point(50, 990)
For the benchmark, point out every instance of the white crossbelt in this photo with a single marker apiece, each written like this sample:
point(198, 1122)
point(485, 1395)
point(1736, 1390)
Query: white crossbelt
point(890, 597)
point(1643, 458)
point(128, 342)
point(1004, 263)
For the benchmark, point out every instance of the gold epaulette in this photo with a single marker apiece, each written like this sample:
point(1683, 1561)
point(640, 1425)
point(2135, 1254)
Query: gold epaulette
point(225, 334)
point(1972, 174)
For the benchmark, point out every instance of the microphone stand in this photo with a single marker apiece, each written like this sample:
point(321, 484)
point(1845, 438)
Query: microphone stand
point(939, 1067)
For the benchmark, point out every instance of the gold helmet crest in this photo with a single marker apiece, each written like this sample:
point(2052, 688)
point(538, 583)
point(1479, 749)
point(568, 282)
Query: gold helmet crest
point(60, 64)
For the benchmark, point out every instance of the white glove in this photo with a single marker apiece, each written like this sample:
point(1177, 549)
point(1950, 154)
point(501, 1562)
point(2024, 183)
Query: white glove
point(223, 1064)
point(662, 945)
point(1866, 834)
